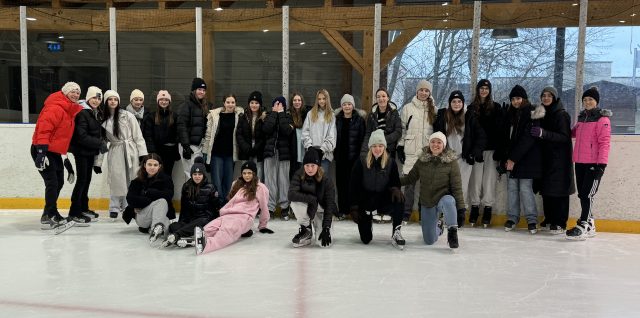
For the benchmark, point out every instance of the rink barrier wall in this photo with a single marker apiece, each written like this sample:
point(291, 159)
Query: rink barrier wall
point(616, 205)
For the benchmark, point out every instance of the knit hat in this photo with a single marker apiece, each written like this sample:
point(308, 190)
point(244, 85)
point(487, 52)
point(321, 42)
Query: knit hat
point(518, 91)
point(439, 135)
point(198, 83)
point(593, 93)
point(311, 156)
point(198, 166)
point(551, 90)
point(111, 93)
point(347, 99)
point(136, 93)
point(257, 96)
point(424, 84)
point(251, 166)
point(377, 138)
point(454, 95)
point(483, 82)
point(280, 99)
point(70, 87)
point(163, 94)
point(92, 92)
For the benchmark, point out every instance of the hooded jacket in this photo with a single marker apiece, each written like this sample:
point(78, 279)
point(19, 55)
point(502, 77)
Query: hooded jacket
point(277, 129)
point(519, 146)
point(192, 121)
point(593, 136)
point(392, 131)
point(56, 123)
point(416, 130)
point(87, 134)
point(205, 204)
point(355, 134)
point(557, 168)
point(474, 139)
point(213, 121)
point(306, 189)
point(250, 141)
point(370, 188)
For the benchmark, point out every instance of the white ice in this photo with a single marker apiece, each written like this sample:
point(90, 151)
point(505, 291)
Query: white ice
point(109, 270)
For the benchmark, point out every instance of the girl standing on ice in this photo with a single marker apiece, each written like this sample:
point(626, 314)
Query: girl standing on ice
point(319, 129)
point(160, 132)
point(298, 112)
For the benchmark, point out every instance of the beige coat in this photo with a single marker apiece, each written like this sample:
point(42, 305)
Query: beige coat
point(213, 119)
point(415, 136)
point(122, 159)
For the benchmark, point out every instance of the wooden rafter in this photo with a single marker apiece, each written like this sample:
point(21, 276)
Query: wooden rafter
point(345, 48)
point(397, 45)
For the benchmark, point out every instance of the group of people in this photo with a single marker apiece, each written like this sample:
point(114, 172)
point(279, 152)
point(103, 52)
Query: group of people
point(387, 163)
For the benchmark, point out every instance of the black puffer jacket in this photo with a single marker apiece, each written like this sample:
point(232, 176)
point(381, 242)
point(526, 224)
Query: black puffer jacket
point(519, 146)
point(87, 134)
point(142, 193)
point(278, 128)
point(244, 138)
point(192, 121)
point(306, 189)
point(370, 188)
point(392, 131)
point(205, 204)
point(492, 123)
point(557, 166)
point(156, 135)
point(474, 139)
point(356, 135)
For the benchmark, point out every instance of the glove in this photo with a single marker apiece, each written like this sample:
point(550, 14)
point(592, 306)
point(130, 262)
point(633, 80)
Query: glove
point(320, 152)
point(41, 160)
point(599, 170)
point(470, 160)
point(207, 167)
point(325, 237)
point(479, 158)
point(103, 147)
point(355, 214)
point(396, 195)
point(187, 152)
point(401, 155)
point(461, 217)
point(536, 131)
point(266, 231)
point(247, 234)
point(72, 175)
point(97, 170)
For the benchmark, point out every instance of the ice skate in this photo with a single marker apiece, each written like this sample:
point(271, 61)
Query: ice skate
point(509, 226)
point(186, 241)
point(579, 232)
point(156, 232)
point(486, 217)
point(62, 226)
point(591, 227)
point(80, 220)
point(533, 228)
point(473, 215)
point(452, 237)
point(92, 215)
point(303, 238)
point(200, 240)
point(113, 216)
point(170, 240)
point(396, 239)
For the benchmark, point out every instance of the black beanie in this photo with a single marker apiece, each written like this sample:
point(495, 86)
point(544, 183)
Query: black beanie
point(593, 93)
point(257, 96)
point(518, 91)
point(456, 94)
point(198, 83)
point(311, 156)
point(251, 166)
point(198, 166)
point(280, 99)
point(483, 82)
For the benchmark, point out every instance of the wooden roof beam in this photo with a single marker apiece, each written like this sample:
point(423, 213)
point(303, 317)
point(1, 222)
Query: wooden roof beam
point(345, 49)
point(397, 45)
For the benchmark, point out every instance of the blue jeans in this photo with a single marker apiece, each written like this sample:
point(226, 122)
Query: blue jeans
point(222, 174)
point(325, 164)
point(521, 190)
point(430, 231)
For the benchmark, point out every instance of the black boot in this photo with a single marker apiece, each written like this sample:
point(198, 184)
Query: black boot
point(473, 215)
point(461, 217)
point(486, 216)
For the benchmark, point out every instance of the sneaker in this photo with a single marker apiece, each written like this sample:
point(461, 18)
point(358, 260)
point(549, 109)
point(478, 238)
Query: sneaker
point(452, 237)
point(440, 227)
point(578, 233)
point(591, 227)
point(186, 241)
point(80, 220)
point(303, 237)
point(171, 240)
point(91, 214)
point(156, 232)
point(509, 226)
point(200, 240)
point(396, 239)
point(533, 228)
point(473, 215)
point(113, 216)
point(486, 217)
point(556, 230)
point(544, 226)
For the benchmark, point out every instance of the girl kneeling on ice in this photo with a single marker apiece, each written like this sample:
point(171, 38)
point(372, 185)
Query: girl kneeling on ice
point(440, 189)
point(247, 196)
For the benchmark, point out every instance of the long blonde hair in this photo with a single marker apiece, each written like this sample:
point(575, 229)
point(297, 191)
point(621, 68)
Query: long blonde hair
point(371, 158)
point(328, 110)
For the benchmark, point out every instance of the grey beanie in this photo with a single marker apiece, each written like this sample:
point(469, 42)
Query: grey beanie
point(347, 99)
point(377, 138)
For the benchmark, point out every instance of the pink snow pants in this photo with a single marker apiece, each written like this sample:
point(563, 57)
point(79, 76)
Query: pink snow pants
point(225, 230)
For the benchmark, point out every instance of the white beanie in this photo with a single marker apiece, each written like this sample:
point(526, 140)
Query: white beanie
point(377, 138)
point(136, 93)
point(424, 84)
point(347, 99)
point(163, 94)
point(92, 92)
point(439, 135)
point(70, 87)
point(111, 93)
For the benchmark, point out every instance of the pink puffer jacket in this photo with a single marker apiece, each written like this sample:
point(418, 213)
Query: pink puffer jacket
point(593, 136)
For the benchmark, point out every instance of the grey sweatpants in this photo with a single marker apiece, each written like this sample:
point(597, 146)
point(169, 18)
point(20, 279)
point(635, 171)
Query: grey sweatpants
point(117, 203)
point(154, 213)
point(187, 163)
point(276, 175)
point(482, 186)
point(300, 211)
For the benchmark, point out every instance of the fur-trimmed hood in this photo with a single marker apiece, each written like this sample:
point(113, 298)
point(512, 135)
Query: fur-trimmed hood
point(538, 112)
point(360, 112)
point(447, 156)
point(391, 105)
point(594, 114)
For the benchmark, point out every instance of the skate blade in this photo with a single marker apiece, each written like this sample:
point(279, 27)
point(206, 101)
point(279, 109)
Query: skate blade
point(400, 247)
point(63, 227)
point(81, 224)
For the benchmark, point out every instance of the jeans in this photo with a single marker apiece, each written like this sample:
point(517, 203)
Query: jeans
point(521, 190)
point(429, 217)
point(222, 174)
point(326, 165)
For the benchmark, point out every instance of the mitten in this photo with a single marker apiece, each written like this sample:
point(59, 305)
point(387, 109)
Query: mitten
point(461, 217)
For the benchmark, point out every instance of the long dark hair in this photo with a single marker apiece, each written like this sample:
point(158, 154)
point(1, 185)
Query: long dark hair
point(192, 188)
point(513, 112)
point(142, 172)
point(169, 113)
point(250, 188)
point(297, 114)
point(479, 107)
point(106, 114)
point(455, 121)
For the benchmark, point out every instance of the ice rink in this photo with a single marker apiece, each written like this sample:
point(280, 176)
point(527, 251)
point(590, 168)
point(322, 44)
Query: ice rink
point(109, 270)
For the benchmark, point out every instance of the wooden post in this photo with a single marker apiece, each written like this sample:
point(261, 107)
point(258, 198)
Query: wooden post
point(162, 5)
point(367, 79)
point(475, 45)
point(208, 63)
point(582, 33)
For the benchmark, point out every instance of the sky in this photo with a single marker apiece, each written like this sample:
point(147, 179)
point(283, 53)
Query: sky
point(618, 48)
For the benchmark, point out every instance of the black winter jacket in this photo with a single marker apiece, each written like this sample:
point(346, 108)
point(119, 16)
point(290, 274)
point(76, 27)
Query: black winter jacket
point(278, 128)
point(370, 188)
point(87, 135)
point(206, 204)
point(245, 137)
point(306, 189)
point(356, 136)
point(142, 193)
point(157, 135)
point(557, 166)
point(492, 123)
point(392, 131)
point(192, 122)
point(518, 144)
point(474, 140)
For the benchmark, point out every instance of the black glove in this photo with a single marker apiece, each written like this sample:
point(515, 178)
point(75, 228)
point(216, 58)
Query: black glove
point(72, 175)
point(355, 214)
point(599, 170)
point(461, 217)
point(247, 234)
point(401, 155)
point(325, 237)
point(103, 147)
point(97, 170)
point(207, 167)
point(320, 152)
point(41, 157)
point(470, 160)
point(186, 152)
point(266, 231)
point(479, 158)
point(396, 195)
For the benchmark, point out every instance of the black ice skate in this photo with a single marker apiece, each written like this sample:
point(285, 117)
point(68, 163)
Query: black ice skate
point(452, 237)
point(303, 238)
point(396, 239)
point(473, 215)
point(486, 217)
point(200, 240)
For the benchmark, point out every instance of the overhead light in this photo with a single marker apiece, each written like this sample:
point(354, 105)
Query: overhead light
point(31, 19)
point(445, 20)
point(265, 30)
point(61, 37)
point(80, 50)
point(324, 53)
point(574, 4)
point(622, 21)
point(218, 9)
point(303, 43)
point(503, 34)
point(445, 3)
point(633, 14)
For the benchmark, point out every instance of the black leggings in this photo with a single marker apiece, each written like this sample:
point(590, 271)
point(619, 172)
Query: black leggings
point(365, 223)
point(186, 229)
point(79, 196)
point(588, 178)
point(53, 176)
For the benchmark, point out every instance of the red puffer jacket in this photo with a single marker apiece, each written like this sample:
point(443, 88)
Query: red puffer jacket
point(593, 135)
point(56, 123)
